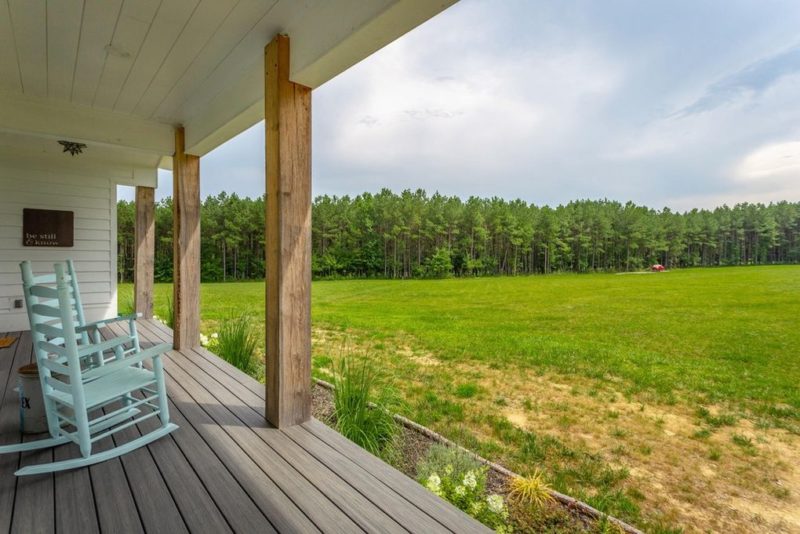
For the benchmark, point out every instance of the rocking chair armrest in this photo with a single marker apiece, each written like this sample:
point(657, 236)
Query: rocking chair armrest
point(116, 365)
point(85, 350)
point(105, 322)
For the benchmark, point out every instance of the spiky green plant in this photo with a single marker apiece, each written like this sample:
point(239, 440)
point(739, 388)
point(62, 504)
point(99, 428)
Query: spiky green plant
point(126, 304)
point(236, 342)
point(362, 406)
point(531, 491)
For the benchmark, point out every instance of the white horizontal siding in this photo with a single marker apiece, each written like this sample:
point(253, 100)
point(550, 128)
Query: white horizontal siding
point(92, 199)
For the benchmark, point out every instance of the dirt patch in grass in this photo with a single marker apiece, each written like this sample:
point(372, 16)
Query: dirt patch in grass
point(700, 468)
point(698, 481)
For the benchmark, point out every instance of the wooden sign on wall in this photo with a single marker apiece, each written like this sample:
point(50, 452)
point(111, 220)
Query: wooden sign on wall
point(47, 228)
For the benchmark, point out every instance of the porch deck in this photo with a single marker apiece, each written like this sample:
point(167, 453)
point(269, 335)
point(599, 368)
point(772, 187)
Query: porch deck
point(225, 470)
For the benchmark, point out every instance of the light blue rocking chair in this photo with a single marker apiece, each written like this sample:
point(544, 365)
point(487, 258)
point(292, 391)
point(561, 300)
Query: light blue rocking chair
point(88, 396)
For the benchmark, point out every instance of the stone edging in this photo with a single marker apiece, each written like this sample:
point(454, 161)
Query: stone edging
point(565, 500)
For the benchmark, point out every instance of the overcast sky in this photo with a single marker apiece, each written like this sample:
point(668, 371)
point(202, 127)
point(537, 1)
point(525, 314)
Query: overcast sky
point(681, 104)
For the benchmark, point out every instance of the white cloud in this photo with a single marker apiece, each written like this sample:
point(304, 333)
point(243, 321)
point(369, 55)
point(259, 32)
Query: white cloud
point(474, 115)
point(774, 162)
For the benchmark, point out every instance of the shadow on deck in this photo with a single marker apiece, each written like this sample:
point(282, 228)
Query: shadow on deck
point(224, 470)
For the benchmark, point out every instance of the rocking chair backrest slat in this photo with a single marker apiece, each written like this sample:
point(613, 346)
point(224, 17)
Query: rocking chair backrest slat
point(44, 292)
point(50, 331)
point(58, 385)
point(76, 295)
point(47, 311)
point(55, 367)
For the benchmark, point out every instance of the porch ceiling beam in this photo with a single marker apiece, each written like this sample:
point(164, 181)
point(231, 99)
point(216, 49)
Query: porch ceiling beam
point(288, 245)
point(186, 246)
point(61, 120)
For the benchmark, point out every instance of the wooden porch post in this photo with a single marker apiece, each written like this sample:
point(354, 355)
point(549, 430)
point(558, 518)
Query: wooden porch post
point(145, 235)
point(186, 245)
point(288, 248)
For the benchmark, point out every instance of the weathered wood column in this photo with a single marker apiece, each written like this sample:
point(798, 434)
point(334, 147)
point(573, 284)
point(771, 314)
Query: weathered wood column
point(186, 245)
point(288, 248)
point(145, 235)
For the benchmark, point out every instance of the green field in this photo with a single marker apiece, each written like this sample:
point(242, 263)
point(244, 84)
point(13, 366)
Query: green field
point(727, 333)
point(531, 370)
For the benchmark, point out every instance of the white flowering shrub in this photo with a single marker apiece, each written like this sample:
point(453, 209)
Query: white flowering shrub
point(462, 481)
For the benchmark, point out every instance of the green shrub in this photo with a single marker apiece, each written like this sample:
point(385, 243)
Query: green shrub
point(455, 476)
point(236, 342)
point(362, 407)
point(439, 265)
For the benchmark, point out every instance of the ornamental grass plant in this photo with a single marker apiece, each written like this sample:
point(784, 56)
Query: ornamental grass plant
point(363, 406)
point(236, 342)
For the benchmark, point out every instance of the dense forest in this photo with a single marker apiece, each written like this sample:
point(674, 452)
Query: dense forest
point(412, 234)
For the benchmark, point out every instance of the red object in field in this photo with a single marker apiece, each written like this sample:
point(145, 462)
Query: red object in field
point(657, 268)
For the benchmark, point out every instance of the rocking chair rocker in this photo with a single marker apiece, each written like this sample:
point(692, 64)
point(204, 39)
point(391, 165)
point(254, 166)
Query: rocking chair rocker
point(80, 382)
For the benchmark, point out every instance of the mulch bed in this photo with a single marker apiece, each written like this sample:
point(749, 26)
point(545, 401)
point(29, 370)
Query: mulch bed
point(558, 517)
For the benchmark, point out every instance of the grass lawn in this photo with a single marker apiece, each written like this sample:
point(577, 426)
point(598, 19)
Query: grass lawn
point(637, 393)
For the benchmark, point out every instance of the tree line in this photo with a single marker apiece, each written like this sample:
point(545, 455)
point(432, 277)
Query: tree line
point(413, 234)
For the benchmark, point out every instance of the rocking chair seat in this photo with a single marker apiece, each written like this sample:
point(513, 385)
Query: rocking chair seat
point(106, 388)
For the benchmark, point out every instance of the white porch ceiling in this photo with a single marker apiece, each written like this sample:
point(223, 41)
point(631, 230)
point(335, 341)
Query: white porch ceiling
point(153, 64)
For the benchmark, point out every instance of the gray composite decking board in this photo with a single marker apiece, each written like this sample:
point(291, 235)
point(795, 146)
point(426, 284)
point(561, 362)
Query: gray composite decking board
point(154, 502)
point(113, 498)
point(271, 501)
point(34, 501)
point(312, 500)
point(198, 508)
point(305, 496)
point(194, 506)
point(406, 488)
point(383, 496)
point(227, 474)
point(14, 356)
point(157, 508)
point(7, 461)
point(162, 332)
point(347, 498)
point(349, 470)
point(236, 387)
point(379, 494)
point(74, 506)
point(210, 497)
point(444, 512)
point(252, 473)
